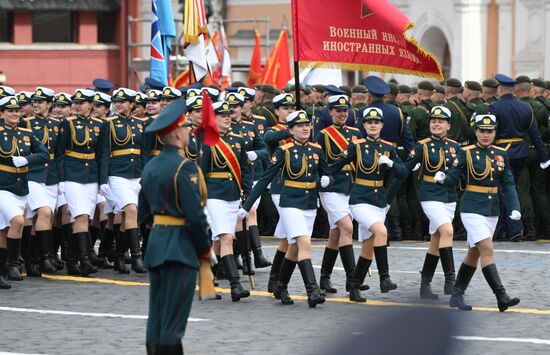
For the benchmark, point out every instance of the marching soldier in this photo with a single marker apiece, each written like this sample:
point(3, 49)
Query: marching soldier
point(322, 117)
point(122, 156)
point(44, 179)
point(6, 91)
point(153, 106)
point(79, 155)
point(139, 109)
point(213, 93)
point(335, 198)
point(179, 237)
point(373, 158)
point(486, 169)
point(515, 121)
point(227, 177)
point(301, 165)
point(19, 149)
point(168, 95)
point(437, 153)
point(24, 98)
point(256, 152)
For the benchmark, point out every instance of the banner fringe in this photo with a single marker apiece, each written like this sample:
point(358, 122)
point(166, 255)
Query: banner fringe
point(368, 67)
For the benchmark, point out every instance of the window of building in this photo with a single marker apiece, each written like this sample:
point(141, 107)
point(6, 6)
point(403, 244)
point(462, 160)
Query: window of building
point(6, 25)
point(53, 26)
point(106, 22)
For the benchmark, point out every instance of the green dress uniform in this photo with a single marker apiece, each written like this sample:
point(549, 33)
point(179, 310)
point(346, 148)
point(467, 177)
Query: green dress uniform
point(479, 106)
point(460, 131)
point(252, 141)
point(46, 130)
point(178, 238)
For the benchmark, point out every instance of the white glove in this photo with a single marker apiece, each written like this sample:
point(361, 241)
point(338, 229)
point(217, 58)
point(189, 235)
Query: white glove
point(545, 165)
point(61, 188)
point(515, 215)
point(439, 177)
point(252, 155)
point(105, 190)
point(19, 161)
point(242, 213)
point(325, 181)
point(384, 160)
point(416, 167)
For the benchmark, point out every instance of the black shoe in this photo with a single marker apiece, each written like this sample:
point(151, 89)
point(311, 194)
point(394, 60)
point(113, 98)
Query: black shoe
point(86, 268)
point(428, 270)
point(135, 249)
point(517, 237)
point(381, 255)
point(237, 290)
point(356, 296)
point(12, 256)
point(282, 293)
point(493, 279)
point(327, 265)
point(4, 285)
point(448, 264)
point(463, 278)
point(32, 269)
point(308, 275)
point(275, 269)
point(46, 265)
point(72, 268)
point(259, 259)
point(173, 349)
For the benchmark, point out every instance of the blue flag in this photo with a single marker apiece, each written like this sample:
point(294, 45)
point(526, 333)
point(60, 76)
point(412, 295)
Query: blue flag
point(162, 32)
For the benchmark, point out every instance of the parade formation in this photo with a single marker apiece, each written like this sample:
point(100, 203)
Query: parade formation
point(131, 173)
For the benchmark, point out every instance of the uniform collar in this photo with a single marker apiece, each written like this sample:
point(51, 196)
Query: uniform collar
point(339, 127)
point(124, 117)
point(482, 146)
point(370, 139)
point(298, 143)
point(435, 138)
point(10, 128)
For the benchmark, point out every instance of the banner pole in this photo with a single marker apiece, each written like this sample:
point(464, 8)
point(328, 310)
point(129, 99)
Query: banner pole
point(297, 84)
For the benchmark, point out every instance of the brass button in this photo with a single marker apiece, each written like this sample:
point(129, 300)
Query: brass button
point(375, 190)
point(490, 197)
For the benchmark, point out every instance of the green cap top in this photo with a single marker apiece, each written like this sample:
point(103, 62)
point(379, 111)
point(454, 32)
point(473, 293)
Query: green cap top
point(404, 89)
point(472, 85)
point(453, 82)
point(490, 83)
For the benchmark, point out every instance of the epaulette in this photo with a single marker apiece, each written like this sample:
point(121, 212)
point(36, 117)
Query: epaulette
point(453, 141)
point(154, 116)
point(286, 146)
point(359, 141)
point(25, 129)
point(141, 119)
point(53, 119)
point(258, 117)
point(99, 120)
point(27, 119)
point(1, 128)
point(111, 118)
point(315, 145)
point(234, 134)
point(425, 140)
point(247, 122)
point(468, 147)
point(497, 147)
point(387, 142)
point(71, 118)
point(353, 128)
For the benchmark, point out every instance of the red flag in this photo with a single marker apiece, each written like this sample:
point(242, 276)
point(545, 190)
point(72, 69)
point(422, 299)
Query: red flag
point(182, 79)
point(358, 35)
point(255, 72)
point(208, 126)
point(277, 67)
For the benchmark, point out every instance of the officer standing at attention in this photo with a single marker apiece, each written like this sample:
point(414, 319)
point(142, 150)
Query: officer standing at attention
point(227, 178)
point(486, 169)
point(121, 162)
point(179, 237)
point(335, 198)
point(515, 121)
point(18, 149)
point(24, 98)
point(322, 117)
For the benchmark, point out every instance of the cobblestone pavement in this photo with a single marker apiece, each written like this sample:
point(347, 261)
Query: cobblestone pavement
point(106, 314)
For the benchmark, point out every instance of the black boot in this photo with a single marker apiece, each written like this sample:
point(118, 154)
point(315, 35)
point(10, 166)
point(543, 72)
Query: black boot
point(13, 273)
point(394, 230)
point(448, 264)
point(106, 250)
point(55, 243)
point(287, 268)
point(275, 270)
point(135, 249)
point(152, 349)
point(71, 251)
point(172, 349)
point(418, 230)
point(406, 225)
point(329, 259)
point(308, 275)
point(4, 285)
point(463, 278)
point(237, 254)
point(361, 270)
point(86, 268)
point(529, 231)
point(428, 270)
point(94, 259)
point(259, 259)
point(348, 261)
point(493, 279)
point(232, 273)
point(32, 265)
point(245, 252)
point(381, 255)
point(120, 264)
point(46, 264)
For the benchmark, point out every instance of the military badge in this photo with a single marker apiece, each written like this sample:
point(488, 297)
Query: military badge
point(412, 153)
point(386, 153)
point(260, 126)
point(199, 101)
point(315, 156)
point(274, 159)
point(194, 178)
point(167, 92)
point(120, 93)
point(79, 95)
point(251, 134)
point(499, 159)
point(238, 145)
point(96, 129)
point(55, 129)
point(455, 162)
point(139, 126)
point(452, 150)
point(26, 139)
point(38, 92)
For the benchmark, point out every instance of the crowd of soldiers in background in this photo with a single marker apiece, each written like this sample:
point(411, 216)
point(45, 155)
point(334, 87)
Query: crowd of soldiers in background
point(406, 220)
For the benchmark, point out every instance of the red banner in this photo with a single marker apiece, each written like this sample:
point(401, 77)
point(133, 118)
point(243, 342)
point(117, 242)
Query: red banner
point(208, 123)
point(277, 66)
point(358, 35)
point(255, 73)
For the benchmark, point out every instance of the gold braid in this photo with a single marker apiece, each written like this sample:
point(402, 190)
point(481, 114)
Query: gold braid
point(119, 141)
point(86, 140)
point(472, 171)
point(219, 162)
point(291, 174)
point(361, 166)
point(329, 153)
point(5, 154)
point(426, 156)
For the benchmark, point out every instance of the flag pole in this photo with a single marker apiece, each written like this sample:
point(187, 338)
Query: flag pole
point(297, 84)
